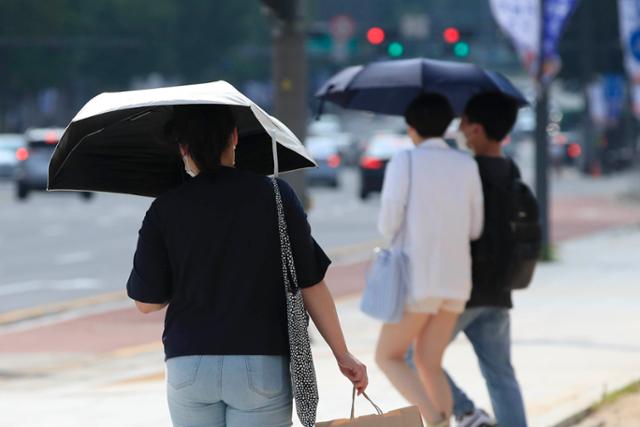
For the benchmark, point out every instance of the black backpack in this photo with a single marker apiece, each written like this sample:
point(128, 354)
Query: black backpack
point(509, 248)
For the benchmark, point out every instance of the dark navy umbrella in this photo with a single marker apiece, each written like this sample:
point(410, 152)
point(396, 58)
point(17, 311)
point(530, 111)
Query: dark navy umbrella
point(387, 87)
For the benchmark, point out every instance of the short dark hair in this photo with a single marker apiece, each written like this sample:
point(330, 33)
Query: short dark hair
point(205, 130)
point(429, 114)
point(495, 111)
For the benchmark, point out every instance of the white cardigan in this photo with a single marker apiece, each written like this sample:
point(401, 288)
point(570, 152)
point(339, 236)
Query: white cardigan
point(444, 213)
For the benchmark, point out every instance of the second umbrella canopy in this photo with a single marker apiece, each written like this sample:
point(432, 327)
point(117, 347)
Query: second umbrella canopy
point(387, 87)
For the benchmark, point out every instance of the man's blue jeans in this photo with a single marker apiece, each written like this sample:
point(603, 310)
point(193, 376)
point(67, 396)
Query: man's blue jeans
point(489, 331)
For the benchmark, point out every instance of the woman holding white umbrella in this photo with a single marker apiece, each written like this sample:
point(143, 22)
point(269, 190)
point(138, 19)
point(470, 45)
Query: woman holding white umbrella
point(215, 250)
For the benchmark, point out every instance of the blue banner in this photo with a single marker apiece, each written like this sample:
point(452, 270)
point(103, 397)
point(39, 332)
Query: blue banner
point(524, 20)
point(556, 13)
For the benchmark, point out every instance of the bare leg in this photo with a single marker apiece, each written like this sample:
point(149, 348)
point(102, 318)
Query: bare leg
point(430, 346)
point(392, 345)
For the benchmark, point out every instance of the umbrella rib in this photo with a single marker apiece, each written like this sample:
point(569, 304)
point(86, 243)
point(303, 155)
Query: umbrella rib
point(74, 149)
point(132, 117)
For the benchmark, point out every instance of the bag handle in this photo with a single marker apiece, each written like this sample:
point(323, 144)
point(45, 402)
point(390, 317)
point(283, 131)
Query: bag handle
point(401, 235)
point(286, 253)
point(353, 403)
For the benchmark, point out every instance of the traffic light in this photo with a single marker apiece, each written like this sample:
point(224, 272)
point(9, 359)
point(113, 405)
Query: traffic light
point(375, 35)
point(461, 49)
point(451, 35)
point(395, 49)
point(458, 39)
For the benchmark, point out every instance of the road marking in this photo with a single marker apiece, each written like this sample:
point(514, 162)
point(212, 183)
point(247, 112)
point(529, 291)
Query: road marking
point(58, 285)
point(73, 258)
point(54, 231)
point(20, 287)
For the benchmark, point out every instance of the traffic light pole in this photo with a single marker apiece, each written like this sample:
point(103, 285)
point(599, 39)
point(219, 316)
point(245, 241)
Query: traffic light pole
point(542, 145)
point(289, 71)
point(542, 160)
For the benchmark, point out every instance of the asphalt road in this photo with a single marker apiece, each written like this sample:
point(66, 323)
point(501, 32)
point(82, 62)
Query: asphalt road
point(56, 246)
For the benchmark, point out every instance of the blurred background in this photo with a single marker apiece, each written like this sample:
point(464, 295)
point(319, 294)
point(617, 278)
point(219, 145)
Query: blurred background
point(65, 257)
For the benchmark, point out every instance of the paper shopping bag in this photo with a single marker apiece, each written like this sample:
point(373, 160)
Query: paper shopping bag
point(404, 417)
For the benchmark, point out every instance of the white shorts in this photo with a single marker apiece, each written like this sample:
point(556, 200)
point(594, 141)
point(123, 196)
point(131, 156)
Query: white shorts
point(434, 305)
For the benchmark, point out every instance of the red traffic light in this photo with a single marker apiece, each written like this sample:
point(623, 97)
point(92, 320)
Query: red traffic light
point(375, 35)
point(451, 35)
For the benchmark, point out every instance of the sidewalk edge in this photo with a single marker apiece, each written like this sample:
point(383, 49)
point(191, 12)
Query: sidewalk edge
point(592, 407)
point(23, 314)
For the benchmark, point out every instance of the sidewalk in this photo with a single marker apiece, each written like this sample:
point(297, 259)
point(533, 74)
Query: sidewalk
point(576, 335)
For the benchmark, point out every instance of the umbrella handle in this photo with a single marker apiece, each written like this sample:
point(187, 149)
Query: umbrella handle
point(274, 149)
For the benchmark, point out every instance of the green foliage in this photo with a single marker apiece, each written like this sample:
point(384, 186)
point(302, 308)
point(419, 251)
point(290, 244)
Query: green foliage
point(101, 44)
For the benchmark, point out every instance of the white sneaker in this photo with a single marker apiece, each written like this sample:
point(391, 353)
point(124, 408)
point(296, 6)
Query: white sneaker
point(478, 418)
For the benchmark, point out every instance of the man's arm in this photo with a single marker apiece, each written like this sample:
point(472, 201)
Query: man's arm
point(477, 204)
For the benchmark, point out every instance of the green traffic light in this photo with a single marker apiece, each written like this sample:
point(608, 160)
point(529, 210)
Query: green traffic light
point(395, 49)
point(461, 49)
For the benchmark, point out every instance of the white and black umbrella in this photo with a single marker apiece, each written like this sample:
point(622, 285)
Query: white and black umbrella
point(116, 143)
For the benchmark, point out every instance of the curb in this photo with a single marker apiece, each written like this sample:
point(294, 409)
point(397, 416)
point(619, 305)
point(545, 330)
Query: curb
point(596, 405)
point(31, 313)
point(341, 254)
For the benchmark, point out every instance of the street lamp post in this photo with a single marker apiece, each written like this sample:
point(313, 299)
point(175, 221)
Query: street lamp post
point(289, 75)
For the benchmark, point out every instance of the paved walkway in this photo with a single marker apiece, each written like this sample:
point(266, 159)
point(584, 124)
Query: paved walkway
point(575, 332)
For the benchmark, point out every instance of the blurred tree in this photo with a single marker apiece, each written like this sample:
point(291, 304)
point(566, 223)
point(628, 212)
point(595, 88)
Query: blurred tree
point(84, 47)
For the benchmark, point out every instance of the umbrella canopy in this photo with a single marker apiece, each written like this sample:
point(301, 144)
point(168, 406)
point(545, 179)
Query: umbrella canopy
point(387, 87)
point(116, 142)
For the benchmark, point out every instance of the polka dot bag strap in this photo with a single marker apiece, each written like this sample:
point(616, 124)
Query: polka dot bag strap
point(303, 374)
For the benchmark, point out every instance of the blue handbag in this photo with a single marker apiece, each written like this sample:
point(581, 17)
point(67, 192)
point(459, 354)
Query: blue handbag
point(387, 281)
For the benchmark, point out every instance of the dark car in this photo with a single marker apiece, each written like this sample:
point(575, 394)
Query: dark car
point(375, 158)
point(33, 157)
point(326, 152)
point(10, 143)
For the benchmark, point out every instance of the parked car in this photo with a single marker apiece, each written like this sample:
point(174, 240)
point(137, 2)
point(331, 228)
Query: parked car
point(325, 152)
point(9, 145)
point(33, 157)
point(381, 149)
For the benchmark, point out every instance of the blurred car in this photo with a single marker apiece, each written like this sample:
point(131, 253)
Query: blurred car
point(565, 147)
point(325, 152)
point(329, 126)
point(9, 145)
point(381, 149)
point(33, 158)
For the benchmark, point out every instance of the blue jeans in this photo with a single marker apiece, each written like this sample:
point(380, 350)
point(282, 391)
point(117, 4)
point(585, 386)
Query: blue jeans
point(229, 391)
point(489, 331)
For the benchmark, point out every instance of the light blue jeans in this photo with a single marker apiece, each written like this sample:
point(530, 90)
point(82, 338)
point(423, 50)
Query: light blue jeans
point(229, 391)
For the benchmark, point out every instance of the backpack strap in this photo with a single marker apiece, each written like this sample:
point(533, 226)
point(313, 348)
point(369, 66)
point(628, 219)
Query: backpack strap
point(514, 171)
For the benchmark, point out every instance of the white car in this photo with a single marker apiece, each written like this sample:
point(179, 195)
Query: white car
point(10, 143)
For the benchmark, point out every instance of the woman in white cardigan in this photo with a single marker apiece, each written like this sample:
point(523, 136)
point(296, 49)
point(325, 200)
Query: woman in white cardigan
point(433, 208)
